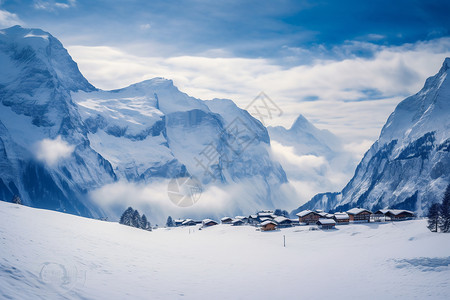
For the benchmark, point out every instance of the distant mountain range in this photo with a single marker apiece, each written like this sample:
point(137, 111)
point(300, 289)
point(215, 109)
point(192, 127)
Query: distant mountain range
point(142, 133)
point(61, 139)
point(409, 165)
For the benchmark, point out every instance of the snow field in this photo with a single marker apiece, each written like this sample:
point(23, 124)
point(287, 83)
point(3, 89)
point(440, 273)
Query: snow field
point(105, 260)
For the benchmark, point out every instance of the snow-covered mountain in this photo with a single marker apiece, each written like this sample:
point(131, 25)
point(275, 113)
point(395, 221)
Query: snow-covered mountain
point(408, 166)
point(313, 159)
point(92, 138)
point(306, 138)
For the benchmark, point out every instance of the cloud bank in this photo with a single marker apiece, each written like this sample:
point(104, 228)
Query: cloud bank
point(352, 96)
point(8, 19)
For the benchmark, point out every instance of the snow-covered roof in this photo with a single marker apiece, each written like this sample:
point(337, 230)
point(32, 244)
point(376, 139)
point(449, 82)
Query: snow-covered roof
point(226, 219)
point(281, 219)
point(253, 216)
point(326, 221)
point(341, 216)
point(268, 222)
point(265, 214)
point(396, 212)
point(305, 212)
point(206, 221)
point(265, 219)
point(357, 210)
point(240, 217)
point(187, 221)
point(235, 221)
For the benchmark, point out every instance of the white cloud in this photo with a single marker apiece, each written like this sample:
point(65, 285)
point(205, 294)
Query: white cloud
point(145, 26)
point(52, 151)
point(53, 5)
point(304, 165)
point(310, 174)
point(8, 19)
point(338, 85)
point(216, 201)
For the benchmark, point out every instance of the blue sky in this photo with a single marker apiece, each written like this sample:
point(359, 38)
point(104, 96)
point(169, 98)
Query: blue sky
point(345, 64)
point(242, 28)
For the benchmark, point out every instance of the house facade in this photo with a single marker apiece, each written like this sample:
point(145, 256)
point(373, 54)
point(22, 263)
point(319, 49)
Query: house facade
point(268, 226)
point(308, 217)
point(326, 223)
point(359, 215)
point(395, 214)
point(341, 218)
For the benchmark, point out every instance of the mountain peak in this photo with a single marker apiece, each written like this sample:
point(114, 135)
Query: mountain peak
point(446, 63)
point(36, 38)
point(34, 49)
point(300, 123)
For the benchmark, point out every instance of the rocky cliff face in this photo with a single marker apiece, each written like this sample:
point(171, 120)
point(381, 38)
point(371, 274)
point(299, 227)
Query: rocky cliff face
point(146, 131)
point(408, 166)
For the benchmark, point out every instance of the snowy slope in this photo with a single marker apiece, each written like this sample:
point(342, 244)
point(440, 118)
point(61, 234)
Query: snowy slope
point(50, 255)
point(407, 167)
point(145, 133)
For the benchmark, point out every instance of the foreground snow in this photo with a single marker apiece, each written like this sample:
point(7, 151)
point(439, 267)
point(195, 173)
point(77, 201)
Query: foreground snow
point(47, 255)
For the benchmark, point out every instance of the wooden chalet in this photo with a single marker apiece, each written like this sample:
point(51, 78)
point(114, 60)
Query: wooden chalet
point(395, 214)
point(359, 215)
point(268, 225)
point(226, 220)
point(308, 217)
point(341, 218)
point(262, 215)
point(178, 222)
point(253, 219)
point(283, 222)
point(244, 219)
point(326, 223)
point(189, 222)
point(209, 222)
point(237, 222)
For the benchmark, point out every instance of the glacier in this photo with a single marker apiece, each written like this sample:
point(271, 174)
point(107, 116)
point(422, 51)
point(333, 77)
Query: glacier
point(144, 133)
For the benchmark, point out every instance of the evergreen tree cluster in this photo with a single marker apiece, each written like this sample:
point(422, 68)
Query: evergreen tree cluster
point(282, 213)
point(131, 217)
point(439, 214)
point(16, 199)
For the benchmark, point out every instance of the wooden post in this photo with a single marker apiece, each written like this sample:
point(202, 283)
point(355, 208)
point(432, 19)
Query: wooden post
point(284, 241)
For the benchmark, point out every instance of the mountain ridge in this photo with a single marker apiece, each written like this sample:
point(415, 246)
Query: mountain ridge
point(143, 133)
point(406, 166)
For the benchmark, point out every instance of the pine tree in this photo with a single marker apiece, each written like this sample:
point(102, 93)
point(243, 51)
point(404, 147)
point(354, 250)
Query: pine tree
point(444, 223)
point(126, 218)
point(278, 212)
point(136, 219)
point(16, 199)
point(169, 222)
point(434, 216)
point(145, 224)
